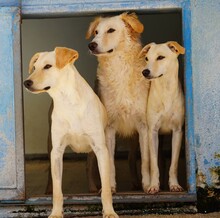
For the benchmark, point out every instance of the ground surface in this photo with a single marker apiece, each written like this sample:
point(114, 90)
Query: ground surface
point(210, 215)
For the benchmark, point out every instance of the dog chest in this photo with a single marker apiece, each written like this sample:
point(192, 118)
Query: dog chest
point(167, 118)
point(79, 143)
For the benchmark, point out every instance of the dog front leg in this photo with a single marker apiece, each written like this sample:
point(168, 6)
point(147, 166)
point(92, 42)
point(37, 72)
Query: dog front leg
point(110, 142)
point(57, 171)
point(145, 168)
point(104, 170)
point(153, 147)
point(176, 145)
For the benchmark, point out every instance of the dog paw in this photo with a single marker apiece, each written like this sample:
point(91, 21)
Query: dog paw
point(153, 189)
point(113, 190)
point(110, 215)
point(55, 216)
point(176, 188)
point(145, 185)
point(146, 188)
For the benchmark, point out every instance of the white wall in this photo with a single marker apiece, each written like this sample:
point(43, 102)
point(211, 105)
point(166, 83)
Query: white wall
point(46, 34)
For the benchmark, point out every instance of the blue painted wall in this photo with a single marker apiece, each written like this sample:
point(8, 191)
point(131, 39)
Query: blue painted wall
point(11, 128)
point(7, 117)
point(206, 89)
point(10, 3)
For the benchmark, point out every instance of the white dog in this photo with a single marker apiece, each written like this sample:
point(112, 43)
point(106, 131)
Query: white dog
point(122, 89)
point(78, 119)
point(165, 110)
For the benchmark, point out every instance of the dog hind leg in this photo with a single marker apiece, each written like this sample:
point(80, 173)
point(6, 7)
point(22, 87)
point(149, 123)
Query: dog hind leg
point(110, 142)
point(145, 168)
point(153, 147)
point(176, 145)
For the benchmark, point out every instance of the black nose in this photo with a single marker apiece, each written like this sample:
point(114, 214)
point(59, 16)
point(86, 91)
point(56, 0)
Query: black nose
point(146, 72)
point(28, 83)
point(92, 46)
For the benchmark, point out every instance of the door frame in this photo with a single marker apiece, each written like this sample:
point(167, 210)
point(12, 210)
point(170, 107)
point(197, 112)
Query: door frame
point(28, 9)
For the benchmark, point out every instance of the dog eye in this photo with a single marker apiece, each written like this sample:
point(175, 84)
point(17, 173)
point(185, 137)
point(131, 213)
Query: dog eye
point(146, 59)
point(111, 30)
point(48, 66)
point(160, 57)
point(96, 32)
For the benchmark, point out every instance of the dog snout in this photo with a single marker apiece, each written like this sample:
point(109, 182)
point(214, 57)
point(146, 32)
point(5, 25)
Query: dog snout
point(28, 83)
point(146, 73)
point(93, 46)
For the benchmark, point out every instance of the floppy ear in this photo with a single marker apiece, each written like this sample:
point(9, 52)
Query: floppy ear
point(133, 22)
point(65, 56)
point(176, 47)
point(32, 61)
point(92, 27)
point(145, 49)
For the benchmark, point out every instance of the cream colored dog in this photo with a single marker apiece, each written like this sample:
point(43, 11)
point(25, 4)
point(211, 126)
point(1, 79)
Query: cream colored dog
point(78, 119)
point(165, 110)
point(123, 90)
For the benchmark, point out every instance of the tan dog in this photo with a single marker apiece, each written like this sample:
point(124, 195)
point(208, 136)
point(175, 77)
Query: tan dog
point(165, 110)
point(78, 119)
point(123, 90)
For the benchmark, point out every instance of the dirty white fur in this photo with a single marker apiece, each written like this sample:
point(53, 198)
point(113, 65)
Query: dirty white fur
point(78, 119)
point(165, 110)
point(123, 90)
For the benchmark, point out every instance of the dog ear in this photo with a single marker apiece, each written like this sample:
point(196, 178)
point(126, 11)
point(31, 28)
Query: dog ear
point(133, 22)
point(65, 56)
point(32, 61)
point(92, 27)
point(176, 47)
point(145, 49)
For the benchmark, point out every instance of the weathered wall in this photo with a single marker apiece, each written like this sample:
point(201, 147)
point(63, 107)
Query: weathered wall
point(206, 89)
point(11, 131)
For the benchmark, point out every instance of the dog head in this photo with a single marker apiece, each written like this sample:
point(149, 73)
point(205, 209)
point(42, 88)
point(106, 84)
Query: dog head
point(160, 58)
point(45, 68)
point(110, 32)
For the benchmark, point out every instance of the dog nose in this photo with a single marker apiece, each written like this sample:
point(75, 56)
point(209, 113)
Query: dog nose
point(146, 72)
point(92, 46)
point(28, 83)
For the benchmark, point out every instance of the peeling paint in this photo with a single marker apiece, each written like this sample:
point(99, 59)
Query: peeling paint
point(7, 162)
point(217, 155)
point(215, 176)
point(206, 89)
point(11, 152)
point(206, 161)
point(201, 180)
